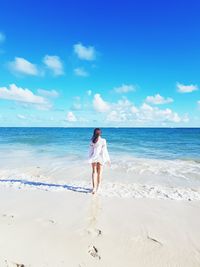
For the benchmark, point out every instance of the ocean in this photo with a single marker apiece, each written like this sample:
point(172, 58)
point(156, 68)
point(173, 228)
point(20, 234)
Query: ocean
point(146, 162)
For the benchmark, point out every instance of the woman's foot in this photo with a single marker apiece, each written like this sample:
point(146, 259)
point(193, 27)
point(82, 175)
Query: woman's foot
point(94, 190)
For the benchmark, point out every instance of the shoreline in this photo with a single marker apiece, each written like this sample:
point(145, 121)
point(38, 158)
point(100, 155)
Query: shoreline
point(62, 228)
point(109, 189)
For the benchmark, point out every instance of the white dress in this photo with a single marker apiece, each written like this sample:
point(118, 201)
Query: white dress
point(98, 151)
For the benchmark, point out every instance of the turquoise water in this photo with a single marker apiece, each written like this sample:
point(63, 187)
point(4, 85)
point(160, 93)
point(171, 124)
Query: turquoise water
point(158, 143)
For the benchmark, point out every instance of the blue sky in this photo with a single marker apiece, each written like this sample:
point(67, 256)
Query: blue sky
point(100, 63)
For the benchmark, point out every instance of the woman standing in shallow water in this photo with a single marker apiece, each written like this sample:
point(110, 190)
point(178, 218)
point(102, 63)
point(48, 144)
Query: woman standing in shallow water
point(98, 156)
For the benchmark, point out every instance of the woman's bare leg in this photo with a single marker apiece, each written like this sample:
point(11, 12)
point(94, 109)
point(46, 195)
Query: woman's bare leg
point(94, 177)
point(99, 171)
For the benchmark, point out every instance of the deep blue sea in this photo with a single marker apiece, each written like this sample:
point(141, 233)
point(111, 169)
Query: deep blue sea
point(158, 143)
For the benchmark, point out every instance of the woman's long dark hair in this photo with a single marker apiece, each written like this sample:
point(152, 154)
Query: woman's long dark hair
point(96, 134)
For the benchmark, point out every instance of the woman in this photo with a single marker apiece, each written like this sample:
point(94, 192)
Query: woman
point(98, 156)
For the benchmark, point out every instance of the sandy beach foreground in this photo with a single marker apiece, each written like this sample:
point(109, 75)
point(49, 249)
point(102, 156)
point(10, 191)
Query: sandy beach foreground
point(47, 228)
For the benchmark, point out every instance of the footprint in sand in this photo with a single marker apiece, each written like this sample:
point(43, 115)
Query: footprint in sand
point(51, 221)
point(45, 222)
point(143, 238)
point(154, 240)
point(8, 216)
point(13, 264)
point(93, 251)
point(94, 232)
point(93, 218)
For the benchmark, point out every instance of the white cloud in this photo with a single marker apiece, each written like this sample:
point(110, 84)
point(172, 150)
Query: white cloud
point(54, 64)
point(81, 72)
point(124, 111)
point(114, 117)
point(89, 92)
point(186, 88)
point(144, 114)
point(21, 117)
point(20, 94)
point(71, 117)
point(47, 93)
point(198, 102)
point(152, 114)
point(85, 52)
point(125, 88)
point(146, 107)
point(158, 100)
point(23, 66)
point(134, 109)
point(2, 37)
point(99, 104)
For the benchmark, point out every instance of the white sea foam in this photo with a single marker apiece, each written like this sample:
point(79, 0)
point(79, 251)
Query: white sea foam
point(176, 168)
point(147, 191)
point(128, 176)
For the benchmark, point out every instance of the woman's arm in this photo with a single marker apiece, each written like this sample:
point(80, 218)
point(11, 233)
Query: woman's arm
point(91, 150)
point(106, 157)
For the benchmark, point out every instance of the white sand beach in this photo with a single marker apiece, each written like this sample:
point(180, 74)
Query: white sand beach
point(41, 228)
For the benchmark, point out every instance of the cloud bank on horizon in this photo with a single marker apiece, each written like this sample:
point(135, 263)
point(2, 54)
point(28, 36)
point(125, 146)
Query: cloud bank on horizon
point(97, 79)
